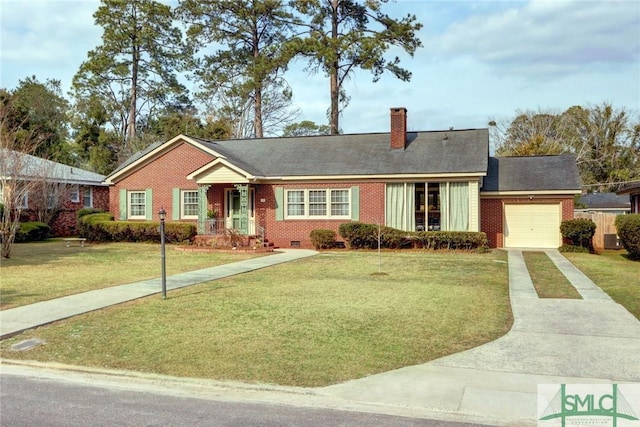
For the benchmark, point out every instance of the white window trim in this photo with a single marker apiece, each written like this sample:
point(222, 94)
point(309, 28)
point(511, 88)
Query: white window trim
point(90, 189)
point(129, 205)
point(182, 204)
point(306, 204)
point(74, 194)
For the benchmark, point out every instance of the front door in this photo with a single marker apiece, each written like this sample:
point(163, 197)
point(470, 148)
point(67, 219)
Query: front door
point(234, 206)
point(234, 212)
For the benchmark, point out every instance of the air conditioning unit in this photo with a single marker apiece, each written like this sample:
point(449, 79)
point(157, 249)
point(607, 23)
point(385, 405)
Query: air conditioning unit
point(611, 241)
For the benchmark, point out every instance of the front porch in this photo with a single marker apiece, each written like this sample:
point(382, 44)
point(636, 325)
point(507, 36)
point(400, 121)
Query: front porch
point(227, 218)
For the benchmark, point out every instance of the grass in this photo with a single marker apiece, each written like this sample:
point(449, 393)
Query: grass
point(312, 322)
point(615, 273)
point(547, 279)
point(46, 270)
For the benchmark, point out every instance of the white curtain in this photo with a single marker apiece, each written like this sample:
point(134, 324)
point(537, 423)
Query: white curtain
point(395, 205)
point(401, 206)
point(410, 212)
point(444, 206)
point(459, 206)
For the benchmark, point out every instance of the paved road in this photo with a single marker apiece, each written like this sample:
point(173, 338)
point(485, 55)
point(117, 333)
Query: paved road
point(38, 401)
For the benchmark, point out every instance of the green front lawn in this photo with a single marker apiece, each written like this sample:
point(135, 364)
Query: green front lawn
point(615, 273)
point(312, 322)
point(45, 270)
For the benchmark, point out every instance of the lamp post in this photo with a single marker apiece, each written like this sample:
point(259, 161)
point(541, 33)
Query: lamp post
point(162, 214)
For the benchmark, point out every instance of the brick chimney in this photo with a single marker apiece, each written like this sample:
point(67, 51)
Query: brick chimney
point(398, 128)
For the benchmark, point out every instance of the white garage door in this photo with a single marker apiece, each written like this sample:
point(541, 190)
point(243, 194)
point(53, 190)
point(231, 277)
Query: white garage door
point(532, 226)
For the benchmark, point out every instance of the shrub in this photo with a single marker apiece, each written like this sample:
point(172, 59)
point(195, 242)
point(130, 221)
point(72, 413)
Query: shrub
point(629, 232)
point(579, 231)
point(323, 239)
point(32, 232)
point(365, 236)
point(89, 211)
point(100, 227)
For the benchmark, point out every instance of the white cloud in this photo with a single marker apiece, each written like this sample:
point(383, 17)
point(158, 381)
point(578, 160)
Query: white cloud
point(543, 37)
point(48, 39)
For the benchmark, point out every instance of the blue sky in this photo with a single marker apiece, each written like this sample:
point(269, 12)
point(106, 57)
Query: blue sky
point(481, 60)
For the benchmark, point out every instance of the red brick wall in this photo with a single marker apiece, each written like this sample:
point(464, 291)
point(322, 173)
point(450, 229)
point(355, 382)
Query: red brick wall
point(165, 173)
point(491, 215)
point(282, 233)
point(491, 221)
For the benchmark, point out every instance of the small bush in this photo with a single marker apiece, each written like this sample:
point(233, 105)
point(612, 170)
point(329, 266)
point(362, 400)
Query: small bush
point(323, 239)
point(629, 232)
point(89, 211)
point(32, 232)
point(579, 231)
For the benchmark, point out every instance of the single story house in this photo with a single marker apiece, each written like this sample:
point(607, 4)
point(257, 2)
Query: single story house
point(283, 188)
point(612, 203)
point(633, 191)
point(43, 185)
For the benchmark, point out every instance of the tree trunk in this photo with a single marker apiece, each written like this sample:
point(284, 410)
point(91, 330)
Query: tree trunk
point(333, 74)
point(131, 127)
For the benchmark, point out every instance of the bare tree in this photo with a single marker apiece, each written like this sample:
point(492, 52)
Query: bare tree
point(16, 170)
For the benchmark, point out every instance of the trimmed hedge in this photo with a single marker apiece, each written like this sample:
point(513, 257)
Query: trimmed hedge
point(365, 236)
point(89, 211)
point(32, 232)
point(579, 231)
point(100, 227)
point(629, 232)
point(323, 239)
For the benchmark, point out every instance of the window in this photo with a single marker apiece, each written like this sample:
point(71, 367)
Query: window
point(295, 203)
point(23, 200)
point(87, 197)
point(318, 203)
point(137, 205)
point(189, 208)
point(444, 207)
point(74, 194)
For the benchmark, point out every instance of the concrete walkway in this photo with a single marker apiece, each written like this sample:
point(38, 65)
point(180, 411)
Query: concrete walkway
point(18, 319)
point(552, 341)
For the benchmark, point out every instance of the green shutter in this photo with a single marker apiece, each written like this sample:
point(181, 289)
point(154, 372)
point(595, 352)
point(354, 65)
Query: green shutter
point(279, 203)
point(148, 202)
point(355, 203)
point(123, 204)
point(175, 206)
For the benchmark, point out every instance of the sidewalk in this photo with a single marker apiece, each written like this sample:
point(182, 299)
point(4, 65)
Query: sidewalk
point(18, 319)
point(552, 341)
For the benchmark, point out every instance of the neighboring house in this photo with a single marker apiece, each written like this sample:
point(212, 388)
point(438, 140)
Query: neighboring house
point(45, 185)
point(633, 191)
point(611, 203)
point(286, 187)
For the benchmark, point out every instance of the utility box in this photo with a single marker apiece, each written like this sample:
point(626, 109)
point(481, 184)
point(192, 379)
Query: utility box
point(611, 241)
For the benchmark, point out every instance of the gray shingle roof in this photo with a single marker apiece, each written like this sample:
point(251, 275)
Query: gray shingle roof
point(605, 200)
point(437, 152)
point(532, 173)
point(31, 167)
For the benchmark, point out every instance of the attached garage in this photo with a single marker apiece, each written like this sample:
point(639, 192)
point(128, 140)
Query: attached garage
point(532, 225)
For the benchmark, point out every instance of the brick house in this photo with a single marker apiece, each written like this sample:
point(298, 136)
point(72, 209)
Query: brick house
point(44, 185)
point(283, 188)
